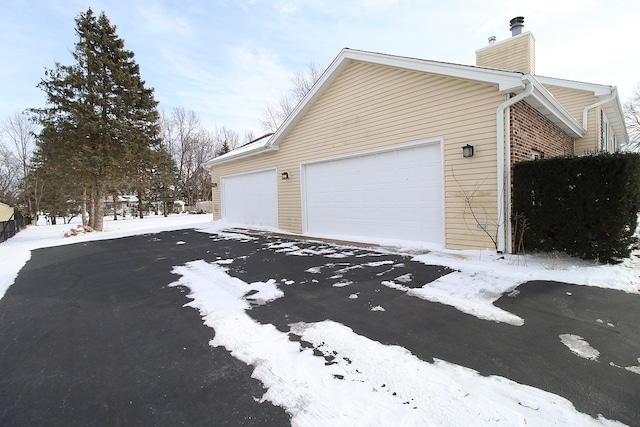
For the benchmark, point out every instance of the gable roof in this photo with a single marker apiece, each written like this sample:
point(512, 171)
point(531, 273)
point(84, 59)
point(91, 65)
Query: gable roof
point(508, 82)
point(607, 96)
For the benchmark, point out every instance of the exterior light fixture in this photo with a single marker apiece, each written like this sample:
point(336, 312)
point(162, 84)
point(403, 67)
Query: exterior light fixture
point(467, 151)
point(285, 175)
point(214, 184)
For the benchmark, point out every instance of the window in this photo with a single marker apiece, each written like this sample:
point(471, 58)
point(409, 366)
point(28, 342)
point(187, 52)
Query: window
point(536, 155)
point(605, 132)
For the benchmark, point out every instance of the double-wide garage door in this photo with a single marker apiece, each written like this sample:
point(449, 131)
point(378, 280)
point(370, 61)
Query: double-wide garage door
point(251, 198)
point(395, 194)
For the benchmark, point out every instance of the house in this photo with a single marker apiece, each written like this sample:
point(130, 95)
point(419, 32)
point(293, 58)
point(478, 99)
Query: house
point(6, 212)
point(390, 147)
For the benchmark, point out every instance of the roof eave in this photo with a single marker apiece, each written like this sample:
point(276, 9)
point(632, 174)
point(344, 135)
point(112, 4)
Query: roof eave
point(612, 109)
point(230, 157)
point(543, 101)
point(507, 81)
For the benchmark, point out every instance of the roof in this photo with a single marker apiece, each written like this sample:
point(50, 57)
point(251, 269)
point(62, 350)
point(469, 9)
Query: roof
point(612, 108)
point(508, 82)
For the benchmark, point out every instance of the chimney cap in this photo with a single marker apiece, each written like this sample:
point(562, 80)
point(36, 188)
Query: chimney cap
point(516, 25)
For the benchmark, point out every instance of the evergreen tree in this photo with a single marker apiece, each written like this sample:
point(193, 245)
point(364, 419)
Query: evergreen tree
point(101, 120)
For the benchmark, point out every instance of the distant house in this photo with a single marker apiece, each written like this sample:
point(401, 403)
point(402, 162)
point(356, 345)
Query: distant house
point(6, 212)
point(389, 147)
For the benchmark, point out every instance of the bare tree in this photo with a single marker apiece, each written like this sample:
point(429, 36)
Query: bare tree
point(9, 175)
point(226, 140)
point(301, 83)
point(249, 136)
point(303, 80)
point(632, 116)
point(190, 145)
point(19, 130)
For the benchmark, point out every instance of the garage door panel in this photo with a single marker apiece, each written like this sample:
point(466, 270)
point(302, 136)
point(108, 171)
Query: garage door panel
point(251, 198)
point(393, 194)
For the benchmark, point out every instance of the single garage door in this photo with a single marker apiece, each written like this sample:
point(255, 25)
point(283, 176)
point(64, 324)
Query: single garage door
point(250, 198)
point(394, 194)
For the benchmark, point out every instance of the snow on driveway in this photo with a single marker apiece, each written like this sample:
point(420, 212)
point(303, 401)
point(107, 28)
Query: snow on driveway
point(359, 381)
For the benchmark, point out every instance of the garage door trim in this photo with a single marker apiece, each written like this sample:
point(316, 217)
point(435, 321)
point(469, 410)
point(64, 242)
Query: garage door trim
point(435, 141)
point(224, 194)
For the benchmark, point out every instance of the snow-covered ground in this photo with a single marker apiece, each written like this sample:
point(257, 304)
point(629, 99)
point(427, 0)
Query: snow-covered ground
point(354, 390)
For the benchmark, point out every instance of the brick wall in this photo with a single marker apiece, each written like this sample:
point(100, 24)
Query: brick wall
point(532, 132)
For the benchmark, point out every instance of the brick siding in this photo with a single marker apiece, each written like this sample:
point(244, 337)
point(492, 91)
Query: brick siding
point(531, 131)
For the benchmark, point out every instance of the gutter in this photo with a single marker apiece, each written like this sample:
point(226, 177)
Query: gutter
point(239, 155)
point(502, 226)
point(585, 112)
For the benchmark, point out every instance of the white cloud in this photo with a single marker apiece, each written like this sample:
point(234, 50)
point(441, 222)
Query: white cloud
point(157, 19)
point(226, 60)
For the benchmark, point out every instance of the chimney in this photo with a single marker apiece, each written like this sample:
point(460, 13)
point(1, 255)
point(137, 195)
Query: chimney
point(513, 54)
point(517, 24)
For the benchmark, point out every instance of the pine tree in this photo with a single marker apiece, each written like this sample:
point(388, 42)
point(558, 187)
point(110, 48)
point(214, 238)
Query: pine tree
point(101, 121)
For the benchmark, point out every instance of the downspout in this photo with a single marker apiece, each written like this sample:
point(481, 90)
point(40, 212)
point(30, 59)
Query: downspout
point(502, 151)
point(585, 112)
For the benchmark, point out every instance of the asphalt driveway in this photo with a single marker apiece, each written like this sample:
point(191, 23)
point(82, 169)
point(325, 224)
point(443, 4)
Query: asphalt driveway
point(91, 333)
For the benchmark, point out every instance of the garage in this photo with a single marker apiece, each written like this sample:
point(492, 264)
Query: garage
point(391, 194)
point(250, 198)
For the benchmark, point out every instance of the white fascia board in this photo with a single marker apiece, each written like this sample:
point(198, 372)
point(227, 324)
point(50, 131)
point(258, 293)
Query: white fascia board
point(596, 89)
point(612, 109)
point(614, 113)
point(506, 80)
point(230, 156)
point(547, 105)
point(330, 74)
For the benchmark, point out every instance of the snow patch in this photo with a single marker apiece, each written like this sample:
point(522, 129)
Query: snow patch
point(342, 284)
point(366, 382)
point(471, 293)
point(226, 235)
point(579, 346)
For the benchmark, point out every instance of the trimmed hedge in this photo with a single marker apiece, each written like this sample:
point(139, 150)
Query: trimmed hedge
point(585, 206)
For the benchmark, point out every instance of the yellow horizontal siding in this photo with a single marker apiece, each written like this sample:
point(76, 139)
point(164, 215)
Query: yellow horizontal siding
point(370, 107)
point(575, 101)
point(514, 54)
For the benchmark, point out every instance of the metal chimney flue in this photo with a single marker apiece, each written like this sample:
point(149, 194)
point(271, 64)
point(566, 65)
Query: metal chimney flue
point(517, 24)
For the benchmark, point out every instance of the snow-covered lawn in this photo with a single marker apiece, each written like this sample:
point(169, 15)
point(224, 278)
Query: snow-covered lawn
point(354, 390)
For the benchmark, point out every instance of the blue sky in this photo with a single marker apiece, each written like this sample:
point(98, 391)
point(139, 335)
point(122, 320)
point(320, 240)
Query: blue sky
point(226, 59)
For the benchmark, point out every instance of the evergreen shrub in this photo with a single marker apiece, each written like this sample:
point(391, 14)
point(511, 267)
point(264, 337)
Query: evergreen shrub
point(585, 206)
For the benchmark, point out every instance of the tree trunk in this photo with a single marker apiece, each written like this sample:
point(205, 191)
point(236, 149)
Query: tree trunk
point(114, 197)
point(99, 210)
point(92, 208)
point(85, 221)
point(140, 204)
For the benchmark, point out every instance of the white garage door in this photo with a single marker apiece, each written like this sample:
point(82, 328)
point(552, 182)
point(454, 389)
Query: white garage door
point(392, 194)
point(250, 198)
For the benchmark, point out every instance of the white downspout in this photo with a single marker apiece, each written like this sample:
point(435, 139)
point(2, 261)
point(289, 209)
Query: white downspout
point(502, 225)
point(585, 112)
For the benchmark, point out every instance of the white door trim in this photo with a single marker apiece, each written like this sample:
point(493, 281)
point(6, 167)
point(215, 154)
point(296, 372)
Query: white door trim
point(439, 141)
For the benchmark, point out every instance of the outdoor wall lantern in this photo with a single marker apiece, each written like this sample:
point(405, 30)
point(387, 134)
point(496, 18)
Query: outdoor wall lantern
point(214, 184)
point(467, 151)
point(285, 175)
